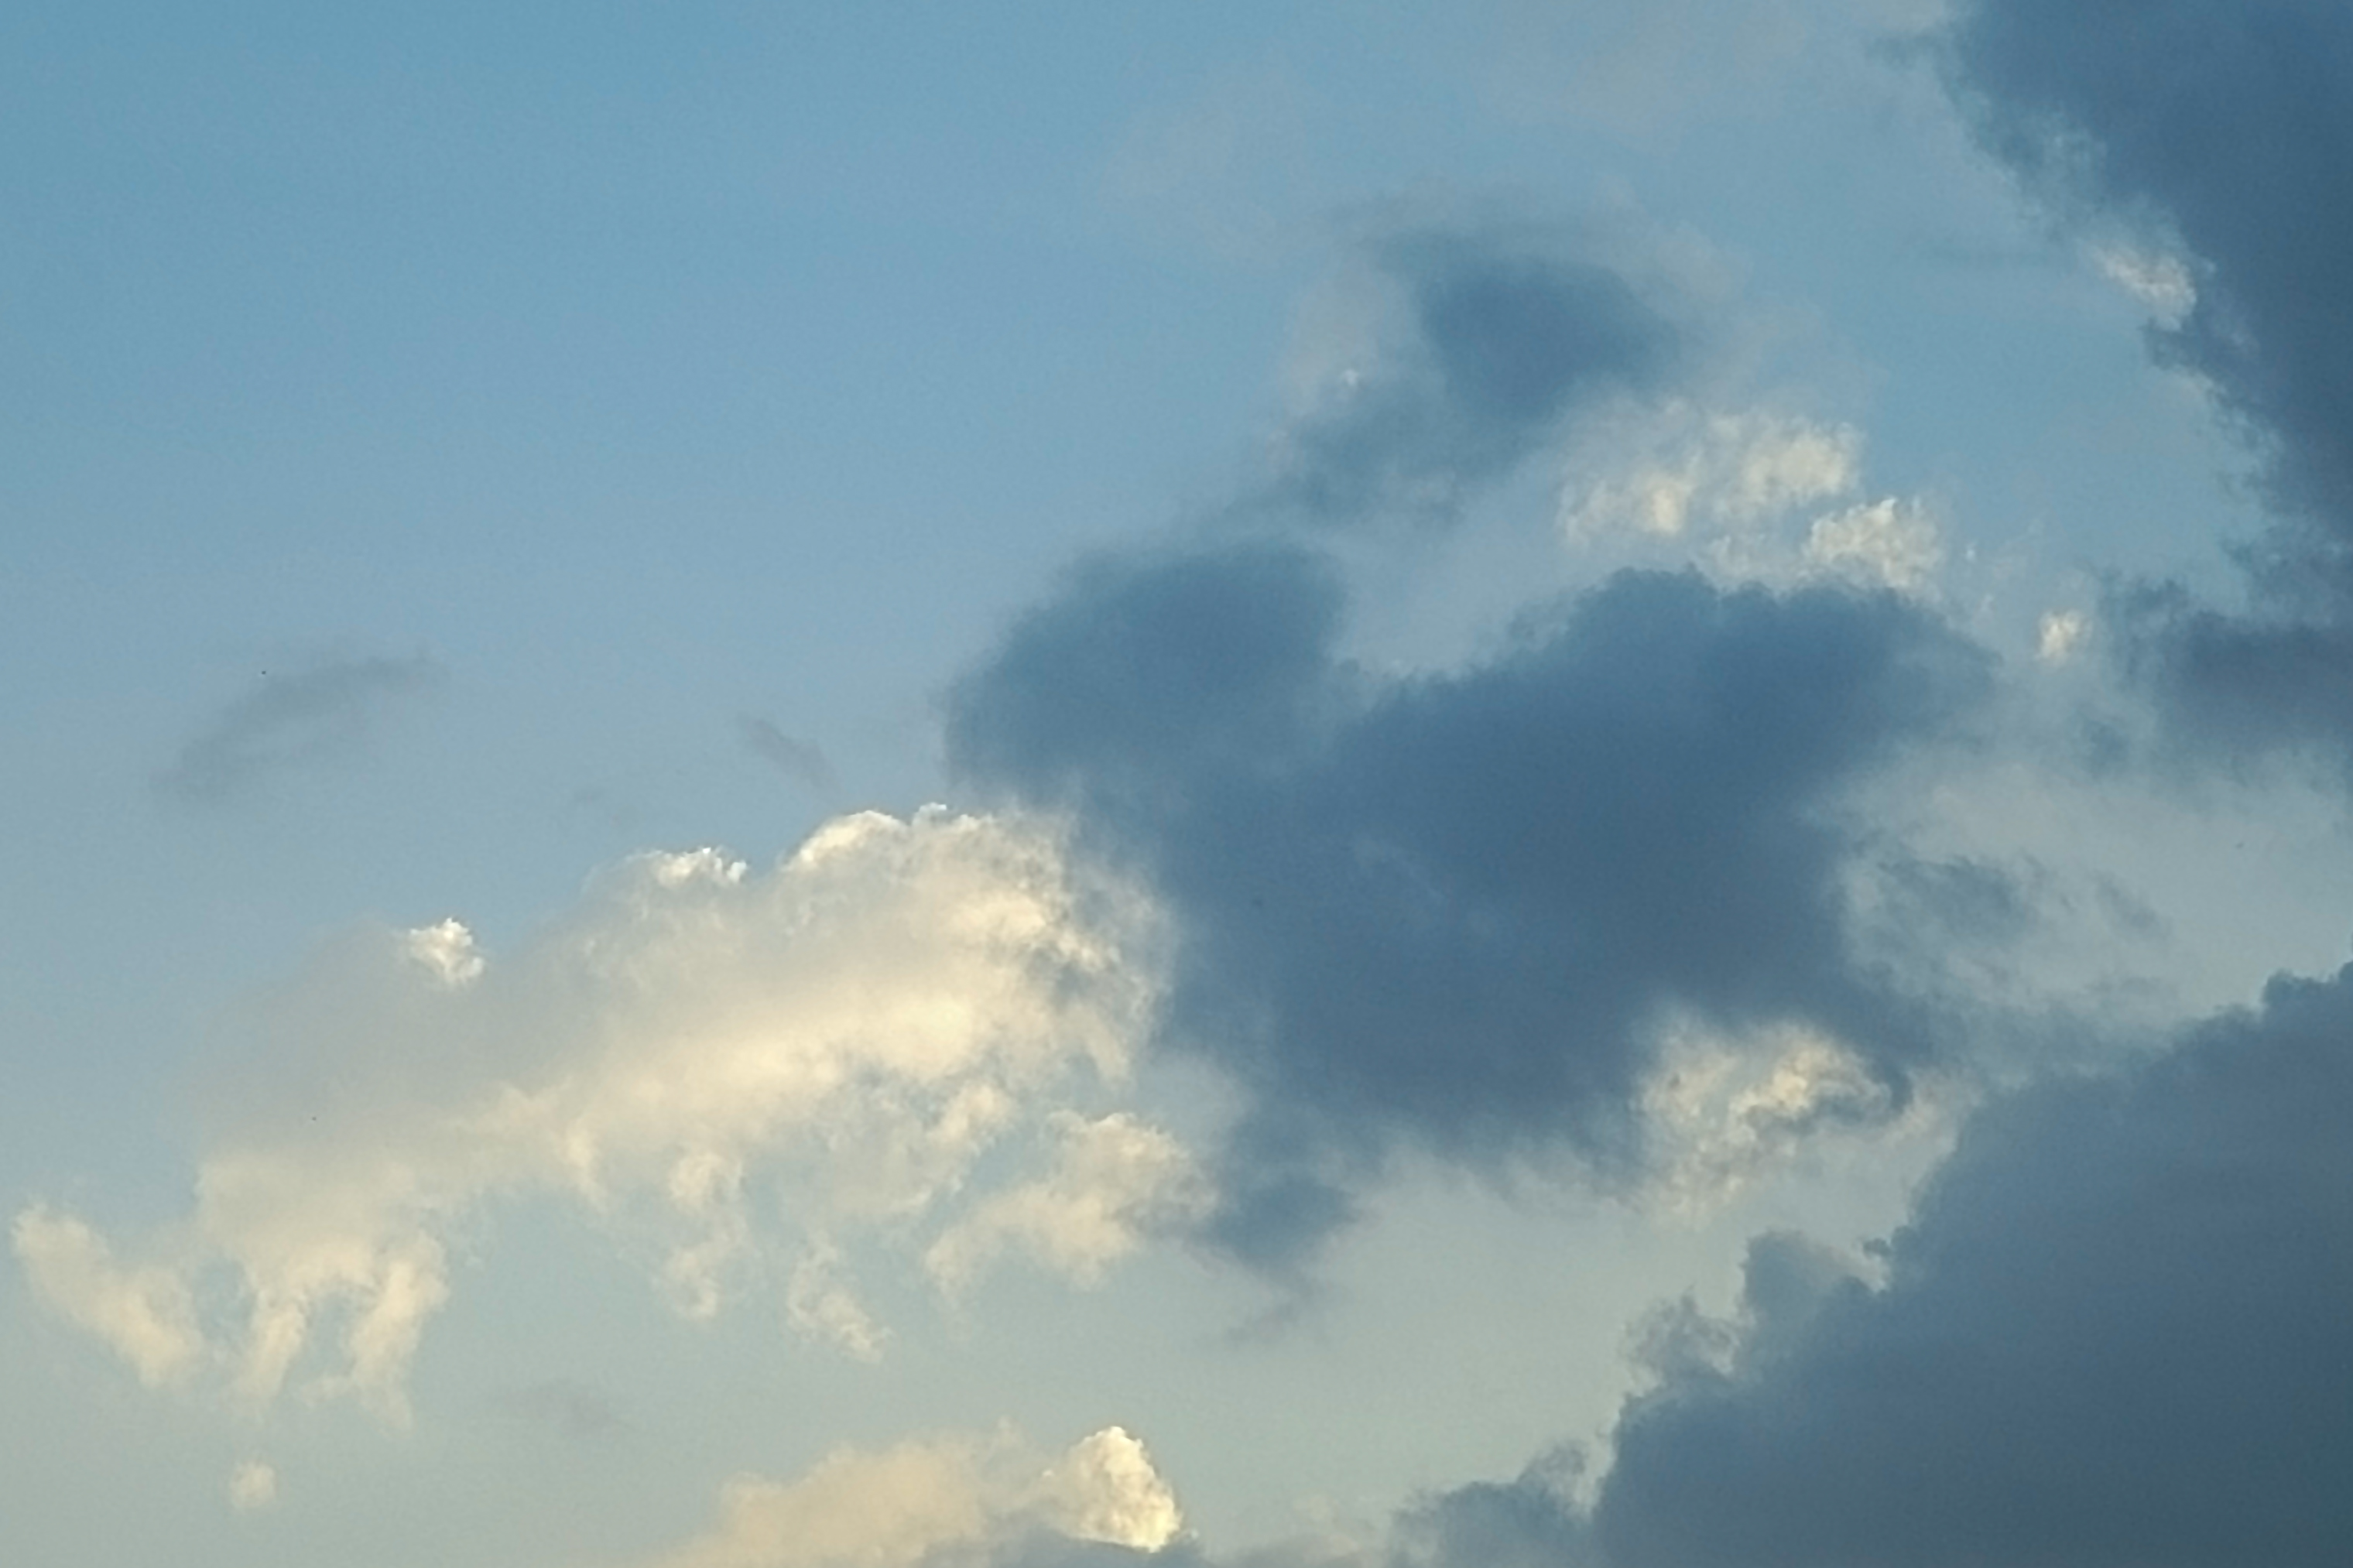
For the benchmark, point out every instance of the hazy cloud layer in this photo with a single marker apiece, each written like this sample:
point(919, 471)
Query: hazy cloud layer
point(293, 719)
point(1459, 909)
point(2224, 129)
point(852, 1030)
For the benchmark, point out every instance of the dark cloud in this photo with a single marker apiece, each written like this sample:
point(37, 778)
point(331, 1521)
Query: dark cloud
point(1504, 335)
point(2114, 1333)
point(1452, 910)
point(1530, 1521)
point(292, 719)
point(2225, 128)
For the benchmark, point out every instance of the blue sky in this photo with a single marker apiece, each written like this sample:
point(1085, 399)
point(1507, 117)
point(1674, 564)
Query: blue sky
point(1553, 784)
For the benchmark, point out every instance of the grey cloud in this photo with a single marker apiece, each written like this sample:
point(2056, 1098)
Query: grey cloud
point(292, 718)
point(1529, 1522)
point(799, 760)
point(2114, 1332)
point(1451, 911)
point(1504, 336)
point(2227, 127)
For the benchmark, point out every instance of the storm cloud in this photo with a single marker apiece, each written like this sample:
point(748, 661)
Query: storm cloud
point(2114, 1332)
point(2222, 129)
point(1453, 910)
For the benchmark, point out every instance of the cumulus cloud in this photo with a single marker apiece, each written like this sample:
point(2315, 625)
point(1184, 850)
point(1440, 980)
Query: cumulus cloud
point(2218, 133)
point(1680, 467)
point(957, 1499)
point(1492, 339)
point(293, 719)
point(1749, 493)
point(2112, 1331)
point(855, 1028)
point(1116, 1182)
point(1456, 910)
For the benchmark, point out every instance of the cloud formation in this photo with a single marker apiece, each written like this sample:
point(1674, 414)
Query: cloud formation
point(2216, 132)
point(293, 719)
point(1494, 340)
point(980, 1502)
point(1458, 909)
point(2113, 1332)
point(855, 1026)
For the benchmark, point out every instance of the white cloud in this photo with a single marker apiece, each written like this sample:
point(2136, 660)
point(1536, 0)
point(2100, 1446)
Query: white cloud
point(146, 1314)
point(1682, 470)
point(1890, 543)
point(900, 1507)
point(855, 1026)
point(1727, 1112)
point(252, 1486)
point(1115, 1180)
point(2061, 636)
point(1741, 494)
point(2160, 282)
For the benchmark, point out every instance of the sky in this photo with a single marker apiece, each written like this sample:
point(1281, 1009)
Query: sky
point(1274, 786)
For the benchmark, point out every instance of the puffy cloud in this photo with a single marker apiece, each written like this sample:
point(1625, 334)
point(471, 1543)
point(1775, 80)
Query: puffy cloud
point(2218, 133)
point(1494, 338)
point(2113, 1332)
point(1116, 1182)
point(252, 1486)
point(1457, 908)
point(857, 1027)
point(1888, 542)
point(294, 718)
point(954, 1498)
point(1669, 472)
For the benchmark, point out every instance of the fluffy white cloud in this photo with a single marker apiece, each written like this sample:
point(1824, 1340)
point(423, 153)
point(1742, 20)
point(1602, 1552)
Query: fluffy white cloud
point(855, 1026)
point(1116, 1180)
point(1726, 1112)
point(1682, 469)
point(1744, 492)
point(902, 1506)
point(1889, 542)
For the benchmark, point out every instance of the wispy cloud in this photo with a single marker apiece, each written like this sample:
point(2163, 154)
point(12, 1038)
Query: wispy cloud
point(311, 714)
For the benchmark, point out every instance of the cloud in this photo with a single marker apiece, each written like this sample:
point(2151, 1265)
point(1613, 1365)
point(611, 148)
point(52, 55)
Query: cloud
point(1744, 491)
point(293, 719)
point(799, 760)
point(854, 1029)
point(1456, 910)
point(1676, 467)
point(2215, 134)
point(2111, 1333)
point(1116, 1182)
point(144, 1313)
point(1478, 343)
point(953, 1499)
point(252, 1486)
